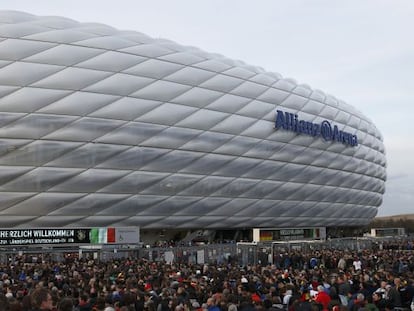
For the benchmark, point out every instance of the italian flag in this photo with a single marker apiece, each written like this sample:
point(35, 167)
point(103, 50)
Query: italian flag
point(102, 235)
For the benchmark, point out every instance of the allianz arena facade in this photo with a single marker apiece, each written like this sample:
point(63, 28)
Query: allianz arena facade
point(101, 127)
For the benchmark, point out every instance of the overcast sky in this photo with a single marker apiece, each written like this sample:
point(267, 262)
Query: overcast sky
point(360, 51)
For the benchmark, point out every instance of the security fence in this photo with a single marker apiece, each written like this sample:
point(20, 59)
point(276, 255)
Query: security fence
point(210, 253)
point(264, 253)
point(237, 253)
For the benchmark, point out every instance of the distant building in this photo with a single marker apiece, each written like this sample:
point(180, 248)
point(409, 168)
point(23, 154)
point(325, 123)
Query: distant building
point(101, 127)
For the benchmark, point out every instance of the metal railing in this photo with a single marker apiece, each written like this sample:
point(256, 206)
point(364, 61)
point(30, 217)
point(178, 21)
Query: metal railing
point(240, 253)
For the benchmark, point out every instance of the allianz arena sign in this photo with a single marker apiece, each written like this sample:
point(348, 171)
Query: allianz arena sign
point(291, 122)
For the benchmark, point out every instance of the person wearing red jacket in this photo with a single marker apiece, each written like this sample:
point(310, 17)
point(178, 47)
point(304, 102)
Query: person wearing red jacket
point(322, 298)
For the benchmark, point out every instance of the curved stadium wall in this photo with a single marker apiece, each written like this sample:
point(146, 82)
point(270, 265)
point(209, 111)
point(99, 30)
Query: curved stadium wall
point(101, 127)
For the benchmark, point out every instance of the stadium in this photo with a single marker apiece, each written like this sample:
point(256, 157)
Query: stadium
point(109, 128)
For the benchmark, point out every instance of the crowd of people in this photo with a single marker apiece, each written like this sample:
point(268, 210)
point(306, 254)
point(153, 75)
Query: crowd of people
point(334, 280)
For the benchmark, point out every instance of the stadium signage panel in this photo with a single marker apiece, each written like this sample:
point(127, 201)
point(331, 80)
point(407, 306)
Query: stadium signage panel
point(288, 234)
point(291, 122)
point(16, 237)
point(43, 236)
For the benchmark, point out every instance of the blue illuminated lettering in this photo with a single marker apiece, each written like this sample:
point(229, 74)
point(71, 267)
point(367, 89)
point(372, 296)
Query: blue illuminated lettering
point(291, 122)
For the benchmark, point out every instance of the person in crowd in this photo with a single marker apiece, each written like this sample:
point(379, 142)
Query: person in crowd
point(287, 296)
point(341, 264)
point(379, 301)
point(322, 298)
point(381, 290)
point(99, 304)
point(41, 299)
point(4, 303)
point(14, 304)
point(84, 303)
point(357, 303)
point(65, 304)
point(393, 294)
point(357, 263)
point(370, 305)
point(211, 305)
